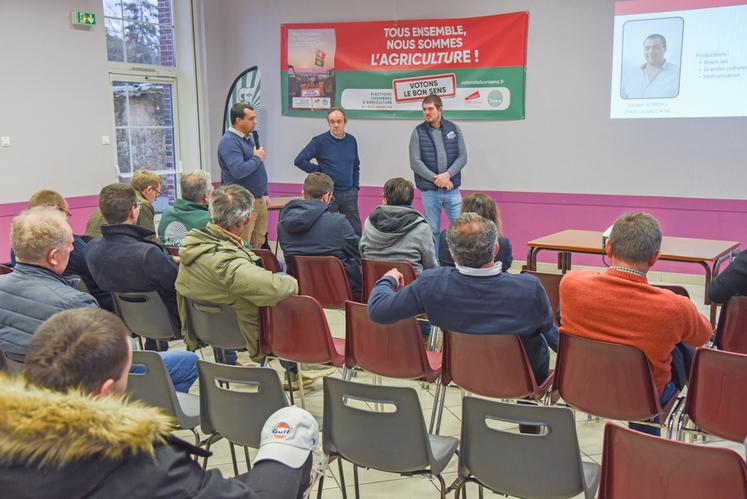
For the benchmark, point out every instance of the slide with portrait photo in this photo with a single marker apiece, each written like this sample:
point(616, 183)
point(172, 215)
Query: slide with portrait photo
point(679, 59)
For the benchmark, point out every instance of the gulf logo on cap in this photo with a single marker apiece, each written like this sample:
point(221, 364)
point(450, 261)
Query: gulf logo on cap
point(280, 431)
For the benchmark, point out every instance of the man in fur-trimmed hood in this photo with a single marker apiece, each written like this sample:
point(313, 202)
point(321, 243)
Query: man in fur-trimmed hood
point(68, 431)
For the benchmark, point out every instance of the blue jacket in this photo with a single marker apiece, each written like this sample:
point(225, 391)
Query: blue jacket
point(125, 261)
point(428, 153)
point(338, 158)
point(307, 227)
point(497, 304)
point(28, 296)
point(239, 165)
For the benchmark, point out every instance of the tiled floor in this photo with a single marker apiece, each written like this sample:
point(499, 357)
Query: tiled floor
point(375, 484)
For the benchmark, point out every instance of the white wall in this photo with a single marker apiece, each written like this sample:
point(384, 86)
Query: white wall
point(566, 144)
point(55, 100)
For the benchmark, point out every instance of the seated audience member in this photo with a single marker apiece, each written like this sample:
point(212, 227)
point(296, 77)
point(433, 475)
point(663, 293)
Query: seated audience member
point(396, 231)
point(307, 227)
point(68, 431)
point(77, 262)
point(35, 291)
point(475, 297)
point(189, 212)
point(217, 266)
point(483, 205)
point(42, 241)
point(148, 187)
point(126, 259)
point(730, 282)
point(619, 305)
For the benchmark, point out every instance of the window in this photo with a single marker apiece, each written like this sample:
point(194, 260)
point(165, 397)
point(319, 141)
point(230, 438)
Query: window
point(140, 32)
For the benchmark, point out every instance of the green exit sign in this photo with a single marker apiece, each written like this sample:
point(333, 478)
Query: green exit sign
point(81, 18)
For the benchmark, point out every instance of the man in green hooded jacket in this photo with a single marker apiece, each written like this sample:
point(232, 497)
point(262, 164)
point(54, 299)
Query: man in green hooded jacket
point(189, 212)
point(217, 267)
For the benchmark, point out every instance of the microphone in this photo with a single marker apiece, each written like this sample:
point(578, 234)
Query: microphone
point(255, 136)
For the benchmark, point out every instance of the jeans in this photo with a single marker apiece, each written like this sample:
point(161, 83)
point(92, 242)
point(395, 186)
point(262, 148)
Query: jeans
point(552, 337)
point(346, 202)
point(669, 391)
point(433, 201)
point(225, 356)
point(181, 366)
point(156, 346)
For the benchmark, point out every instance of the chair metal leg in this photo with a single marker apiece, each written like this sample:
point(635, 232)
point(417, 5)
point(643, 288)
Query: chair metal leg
point(355, 480)
point(440, 410)
point(436, 396)
point(342, 479)
point(290, 384)
point(197, 438)
point(442, 486)
point(300, 386)
point(233, 459)
point(481, 491)
point(246, 456)
point(321, 486)
point(208, 443)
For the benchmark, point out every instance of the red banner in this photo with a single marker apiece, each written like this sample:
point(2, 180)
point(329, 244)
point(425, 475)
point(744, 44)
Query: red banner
point(424, 43)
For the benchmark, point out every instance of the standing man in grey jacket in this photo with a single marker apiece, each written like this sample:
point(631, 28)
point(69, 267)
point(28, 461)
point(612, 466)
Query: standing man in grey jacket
point(35, 290)
point(396, 231)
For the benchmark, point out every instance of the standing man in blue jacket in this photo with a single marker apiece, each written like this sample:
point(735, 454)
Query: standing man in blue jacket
point(336, 154)
point(437, 156)
point(242, 162)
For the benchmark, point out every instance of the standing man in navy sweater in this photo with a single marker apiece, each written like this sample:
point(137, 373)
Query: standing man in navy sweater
point(336, 154)
point(242, 162)
point(437, 156)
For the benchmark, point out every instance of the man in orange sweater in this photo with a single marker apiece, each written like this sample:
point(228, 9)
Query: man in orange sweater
point(620, 306)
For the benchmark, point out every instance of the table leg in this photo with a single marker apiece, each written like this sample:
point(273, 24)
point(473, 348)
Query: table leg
point(532, 258)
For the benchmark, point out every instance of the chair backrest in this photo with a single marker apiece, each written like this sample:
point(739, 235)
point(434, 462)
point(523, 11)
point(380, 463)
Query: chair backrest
point(731, 332)
point(551, 283)
point(145, 315)
point(4, 269)
point(215, 324)
point(298, 331)
point(392, 440)
point(322, 277)
point(638, 465)
point(239, 412)
point(605, 379)
point(716, 400)
point(269, 261)
point(154, 386)
point(491, 365)
point(9, 364)
point(500, 459)
point(172, 250)
point(674, 288)
point(393, 350)
point(374, 269)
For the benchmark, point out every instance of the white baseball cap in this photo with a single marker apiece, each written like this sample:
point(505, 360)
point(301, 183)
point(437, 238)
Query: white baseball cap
point(288, 436)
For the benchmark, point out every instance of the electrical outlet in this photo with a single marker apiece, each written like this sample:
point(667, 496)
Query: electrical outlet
point(4, 141)
point(105, 140)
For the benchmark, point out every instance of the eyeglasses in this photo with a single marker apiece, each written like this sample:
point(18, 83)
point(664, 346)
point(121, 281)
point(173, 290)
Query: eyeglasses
point(67, 213)
point(137, 205)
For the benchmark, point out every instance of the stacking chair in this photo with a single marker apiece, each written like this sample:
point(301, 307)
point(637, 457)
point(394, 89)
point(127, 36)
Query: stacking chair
point(609, 380)
point(4, 269)
point(374, 269)
point(154, 387)
point(237, 414)
point(674, 288)
point(298, 332)
point(547, 464)
point(172, 250)
point(390, 350)
point(394, 441)
point(8, 364)
point(215, 324)
point(145, 314)
point(551, 283)
point(731, 332)
point(716, 401)
point(269, 260)
point(322, 277)
point(638, 465)
point(490, 365)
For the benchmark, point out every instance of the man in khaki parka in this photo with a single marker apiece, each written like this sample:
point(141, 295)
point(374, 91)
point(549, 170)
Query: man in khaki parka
point(217, 266)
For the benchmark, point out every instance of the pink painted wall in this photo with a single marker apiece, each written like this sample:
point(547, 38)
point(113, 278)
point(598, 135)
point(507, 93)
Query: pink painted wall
point(526, 216)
